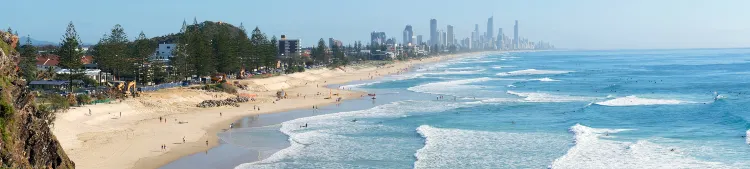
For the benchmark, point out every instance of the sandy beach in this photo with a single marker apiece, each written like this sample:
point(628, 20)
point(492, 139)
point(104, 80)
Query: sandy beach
point(129, 134)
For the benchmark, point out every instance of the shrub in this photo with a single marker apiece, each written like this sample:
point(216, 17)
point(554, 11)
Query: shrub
point(83, 99)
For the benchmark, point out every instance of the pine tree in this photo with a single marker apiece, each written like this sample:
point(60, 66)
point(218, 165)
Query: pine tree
point(319, 55)
point(181, 62)
point(271, 52)
point(257, 42)
point(141, 49)
point(158, 73)
point(200, 51)
point(225, 51)
point(70, 53)
point(243, 48)
point(28, 60)
point(111, 53)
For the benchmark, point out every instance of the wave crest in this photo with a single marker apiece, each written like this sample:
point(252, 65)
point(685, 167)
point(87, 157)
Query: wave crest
point(636, 101)
point(592, 151)
point(532, 72)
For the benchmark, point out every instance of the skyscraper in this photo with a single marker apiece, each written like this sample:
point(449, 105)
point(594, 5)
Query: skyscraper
point(515, 35)
point(450, 35)
point(408, 33)
point(419, 39)
point(377, 38)
point(499, 42)
point(433, 32)
point(490, 28)
point(444, 41)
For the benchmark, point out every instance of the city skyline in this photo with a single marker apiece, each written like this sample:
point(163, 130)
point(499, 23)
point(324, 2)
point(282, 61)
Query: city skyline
point(608, 25)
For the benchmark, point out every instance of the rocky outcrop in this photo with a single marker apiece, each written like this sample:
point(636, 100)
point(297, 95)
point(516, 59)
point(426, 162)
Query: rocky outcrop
point(27, 141)
point(226, 102)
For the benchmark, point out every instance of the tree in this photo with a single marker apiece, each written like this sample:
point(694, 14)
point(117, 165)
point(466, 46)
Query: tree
point(28, 61)
point(339, 58)
point(243, 49)
point(141, 49)
point(200, 52)
point(181, 61)
point(270, 52)
point(225, 50)
point(111, 53)
point(319, 53)
point(70, 53)
point(257, 43)
point(158, 73)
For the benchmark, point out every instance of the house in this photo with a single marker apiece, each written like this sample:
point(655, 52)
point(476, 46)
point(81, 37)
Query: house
point(51, 60)
point(95, 74)
point(43, 62)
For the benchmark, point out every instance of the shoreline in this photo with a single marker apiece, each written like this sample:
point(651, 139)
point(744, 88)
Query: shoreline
point(102, 142)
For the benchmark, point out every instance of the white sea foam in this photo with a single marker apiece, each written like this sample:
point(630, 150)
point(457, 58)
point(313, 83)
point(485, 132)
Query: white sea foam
point(502, 67)
point(458, 148)
point(387, 79)
point(546, 79)
point(636, 101)
point(545, 97)
point(329, 137)
point(747, 137)
point(592, 150)
point(453, 87)
point(510, 85)
point(532, 72)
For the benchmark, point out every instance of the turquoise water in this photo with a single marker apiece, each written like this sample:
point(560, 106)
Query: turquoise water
point(552, 109)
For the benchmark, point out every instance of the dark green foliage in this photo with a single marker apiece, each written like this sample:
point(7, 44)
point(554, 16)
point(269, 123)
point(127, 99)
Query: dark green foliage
point(28, 61)
point(111, 53)
point(140, 50)
point(70, 52)
point(83, 99)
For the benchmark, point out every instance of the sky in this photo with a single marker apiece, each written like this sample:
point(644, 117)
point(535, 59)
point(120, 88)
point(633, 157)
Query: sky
point(569, 24)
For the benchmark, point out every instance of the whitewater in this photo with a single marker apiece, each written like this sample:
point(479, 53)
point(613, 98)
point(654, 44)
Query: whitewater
point(589, 109)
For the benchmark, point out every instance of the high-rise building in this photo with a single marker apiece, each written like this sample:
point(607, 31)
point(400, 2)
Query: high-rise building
point(433, 32)
point(288, 47)
point(515, 35)
point(378, 38)
point(499, 43)
point(444, 39)
point(408, 33)
point(450, 35)
point(490, 28)
point(419, 39)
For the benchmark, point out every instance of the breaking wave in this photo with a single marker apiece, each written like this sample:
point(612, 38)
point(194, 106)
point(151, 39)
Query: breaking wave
point(636, 101)
point(532, 72)
point(545, 97)
point(593, 150)
point(459, 148)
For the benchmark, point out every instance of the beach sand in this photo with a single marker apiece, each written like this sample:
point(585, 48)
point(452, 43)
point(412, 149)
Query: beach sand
point(106, 140)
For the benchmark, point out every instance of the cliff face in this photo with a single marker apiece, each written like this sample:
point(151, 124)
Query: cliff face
point(27, 141)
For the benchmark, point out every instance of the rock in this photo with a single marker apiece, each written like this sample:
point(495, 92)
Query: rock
point(226, 102)
point(27, 141)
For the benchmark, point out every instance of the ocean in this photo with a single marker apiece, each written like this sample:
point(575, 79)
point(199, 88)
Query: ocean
point(683, 108)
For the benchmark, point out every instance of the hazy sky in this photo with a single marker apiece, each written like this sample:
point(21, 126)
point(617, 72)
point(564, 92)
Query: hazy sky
point(578, 24)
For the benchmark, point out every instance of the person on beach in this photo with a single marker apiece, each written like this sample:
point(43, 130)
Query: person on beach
point(183, 139)
point(206, 142)
point(120, 114)
point(160, 119)
point(220, 114)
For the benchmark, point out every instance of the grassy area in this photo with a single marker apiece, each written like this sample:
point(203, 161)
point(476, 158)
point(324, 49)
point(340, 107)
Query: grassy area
point(6, 47)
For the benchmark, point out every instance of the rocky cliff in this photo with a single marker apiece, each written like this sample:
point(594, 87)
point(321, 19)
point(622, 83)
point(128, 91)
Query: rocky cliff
point(27, 141)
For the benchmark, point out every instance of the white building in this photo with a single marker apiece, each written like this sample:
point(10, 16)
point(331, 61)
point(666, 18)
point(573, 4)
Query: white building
point(164, 52)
